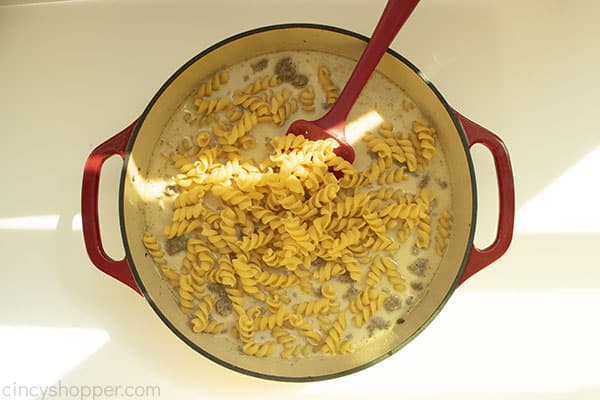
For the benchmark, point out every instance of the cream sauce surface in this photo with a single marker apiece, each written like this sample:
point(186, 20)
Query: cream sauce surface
point(381, 100)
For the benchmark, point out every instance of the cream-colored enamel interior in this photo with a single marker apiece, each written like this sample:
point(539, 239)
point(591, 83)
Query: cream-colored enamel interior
point(234, 52)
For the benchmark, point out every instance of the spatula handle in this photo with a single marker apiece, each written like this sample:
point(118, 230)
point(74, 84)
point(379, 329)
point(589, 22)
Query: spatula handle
point(394, 16)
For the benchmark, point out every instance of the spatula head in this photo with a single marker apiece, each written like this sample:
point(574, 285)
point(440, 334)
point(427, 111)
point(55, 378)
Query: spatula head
point(313, 131)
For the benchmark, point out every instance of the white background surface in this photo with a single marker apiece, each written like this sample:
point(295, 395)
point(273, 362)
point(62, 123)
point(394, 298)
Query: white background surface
point(74, 73)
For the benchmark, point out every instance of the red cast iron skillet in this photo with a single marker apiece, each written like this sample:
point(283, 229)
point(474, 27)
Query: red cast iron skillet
point(456, 135)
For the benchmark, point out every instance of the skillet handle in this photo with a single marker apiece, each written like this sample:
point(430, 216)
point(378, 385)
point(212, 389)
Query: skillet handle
point(118, 269)
point(480, 258)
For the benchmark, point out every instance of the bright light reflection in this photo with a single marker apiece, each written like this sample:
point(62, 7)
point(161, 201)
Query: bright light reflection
point(33, 223)
point(567, 205)
point(356, 129)
point(38, 355)
point(148, 189)
point(76, 223)
point(491, 342)
point(152, 189)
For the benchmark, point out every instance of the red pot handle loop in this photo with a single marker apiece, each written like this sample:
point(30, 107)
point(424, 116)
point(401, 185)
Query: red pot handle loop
point(118, 269)
point(480, 258)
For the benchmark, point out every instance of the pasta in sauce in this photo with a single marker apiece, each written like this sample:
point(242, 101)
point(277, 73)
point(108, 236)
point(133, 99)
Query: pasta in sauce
point(261, 242)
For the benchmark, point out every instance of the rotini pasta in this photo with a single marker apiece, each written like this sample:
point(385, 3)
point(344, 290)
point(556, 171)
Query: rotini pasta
point(292, 350)
point(307, 99)
point(201, 320)
point(442, 232)
point(207, 107)
point(271, 321)
point(331, 90)
point(426, 138)
point(278, 251)
point(213, 84)
point(154, 249)
point(262, 84)
point(259, 349)
point(334, 338)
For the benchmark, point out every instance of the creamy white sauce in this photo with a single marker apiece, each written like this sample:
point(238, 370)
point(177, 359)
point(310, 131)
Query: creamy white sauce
point(379, 95)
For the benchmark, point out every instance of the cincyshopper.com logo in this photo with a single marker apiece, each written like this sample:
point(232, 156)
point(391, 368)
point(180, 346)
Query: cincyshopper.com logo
point(82, 392)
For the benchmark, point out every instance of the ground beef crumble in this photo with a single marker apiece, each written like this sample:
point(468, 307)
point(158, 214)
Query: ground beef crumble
point(419, 266)
point(377, 323)
point(285, 69)
point(176, 244)
point(299, 81)
point(392, 303)
point(259, 65)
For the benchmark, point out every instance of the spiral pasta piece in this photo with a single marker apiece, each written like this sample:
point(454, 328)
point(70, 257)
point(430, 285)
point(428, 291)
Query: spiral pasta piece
point(366, 305)
point(442, 232)
point(331, 91)
point(307, 99)
point(214, 327)
point(395, 175)
point(333, 340)
point(276, 280)
point(352, 266)
point(236, 297)
point(172, 275)
point(308, 308)
point(289, 249)
point(261, 84)
point(270, 321)
point(378, 146)
point(426, 138)
point(304, 328)
point(292, 350)
point(329, 270)
point(376, 271)
point(423, 232)
point(283, 110)
point(247, 276)
point(213, 84)
point(203, 139)
point(328, 292)
point(228, 228)
point(259, 349)
point(252, 103)
point(201, 320)
point(352, 181)
point(394, 277)
point(235, 197)
point(182, 227)
point(245, 328)
point(207, 107)
point(255, 240)
point(298, 232)
point(182, 163)
point(282, 336)
point(186, 293)
point(154, 249)
point(341, 165)
point(274, 303)
point(421, 161)
point(376, 224)
point(408, 149)
point(286, 143)
point(376, 169)
point(325, 195)
point(244, 125)
point(351, 206)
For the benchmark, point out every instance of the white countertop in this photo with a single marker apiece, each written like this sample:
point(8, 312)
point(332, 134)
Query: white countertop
point(76, 72)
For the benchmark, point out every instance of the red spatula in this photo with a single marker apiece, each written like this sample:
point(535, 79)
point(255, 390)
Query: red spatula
point(333, 124)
